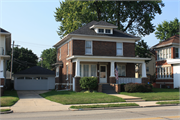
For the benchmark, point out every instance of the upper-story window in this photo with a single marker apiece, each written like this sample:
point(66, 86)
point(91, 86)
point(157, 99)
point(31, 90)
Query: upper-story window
point(88, 47)
point(163, 54)
point(108, 31)
point(57, 72)
point(59, 53)
point(101, 30)
point(66, 72)
point(176, 52)
point(119, 49)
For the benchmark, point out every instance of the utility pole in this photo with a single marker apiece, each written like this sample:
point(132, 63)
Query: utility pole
point(12, 59)
point(41, 62)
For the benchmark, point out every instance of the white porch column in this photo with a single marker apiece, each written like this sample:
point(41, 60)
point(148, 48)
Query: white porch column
point(1, 68)
point(77, 68)
point(112, 69)
point(144, 70)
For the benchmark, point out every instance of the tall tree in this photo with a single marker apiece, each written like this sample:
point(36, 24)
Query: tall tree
point(142, 50)
point(167, 29)
point(22, 59)
point(134, 17)
point(48, 57)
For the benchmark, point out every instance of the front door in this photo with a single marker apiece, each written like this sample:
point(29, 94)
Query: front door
point(103, 74)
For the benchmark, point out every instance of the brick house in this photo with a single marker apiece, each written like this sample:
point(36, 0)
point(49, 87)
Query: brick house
point(168, 63)
point(96, 49)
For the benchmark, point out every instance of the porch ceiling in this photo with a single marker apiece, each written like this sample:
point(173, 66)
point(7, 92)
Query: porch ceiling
point(107, 59)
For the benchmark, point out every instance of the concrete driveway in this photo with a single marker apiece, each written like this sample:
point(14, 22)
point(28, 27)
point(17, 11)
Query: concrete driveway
point(31, 101)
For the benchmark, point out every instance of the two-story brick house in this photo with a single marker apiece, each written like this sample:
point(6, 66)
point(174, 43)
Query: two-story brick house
point(5, 45)
point(168, 63)
point(96, 49)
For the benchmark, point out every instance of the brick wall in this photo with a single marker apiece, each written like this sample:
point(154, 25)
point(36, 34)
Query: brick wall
point(78, 47)
point(129, 49)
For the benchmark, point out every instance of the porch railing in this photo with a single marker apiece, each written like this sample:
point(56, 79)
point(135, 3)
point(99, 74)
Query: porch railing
point(1, 51)
point(128, 80)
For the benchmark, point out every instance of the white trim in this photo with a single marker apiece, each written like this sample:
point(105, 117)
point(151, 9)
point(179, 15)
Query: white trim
point(102, 26)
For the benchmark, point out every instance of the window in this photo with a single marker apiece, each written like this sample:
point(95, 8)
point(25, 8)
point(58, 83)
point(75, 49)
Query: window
point(121, 69)
point(20, 77)
point(176, 53)
point(119, 49)
point(68, 49)
point(147, 69)
point(28, 77)
point(108, 31)
point(158, 55)
point(101, 30)
point(164, 72)
point(169, 52)
point(44, 78)
point(59, 53)
point(163, 54)
point(37, 78)
point(66, 72)
point(88, 47)
point(88, 70)
point(57, 72)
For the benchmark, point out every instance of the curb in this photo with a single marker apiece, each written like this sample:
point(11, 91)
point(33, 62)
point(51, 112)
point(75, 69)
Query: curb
point(6, 112)
point(72, 109)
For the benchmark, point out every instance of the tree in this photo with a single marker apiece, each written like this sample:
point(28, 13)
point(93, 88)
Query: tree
point(167, 29)
point(142, 50)
point(22, 59)
point(48, 57)
point(130, 16)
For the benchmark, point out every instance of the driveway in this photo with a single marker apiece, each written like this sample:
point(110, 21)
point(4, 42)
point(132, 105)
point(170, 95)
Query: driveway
point(31, 101)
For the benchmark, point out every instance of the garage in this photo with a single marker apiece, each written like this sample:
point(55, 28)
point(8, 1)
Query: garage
point(176, 71)
point(34, 78)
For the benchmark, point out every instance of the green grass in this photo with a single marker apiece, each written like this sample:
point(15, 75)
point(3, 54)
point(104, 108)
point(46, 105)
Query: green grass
point(3, 110)
point(104, 106)
point(168, 102)
point(9, 98)
point(70, 97)
point(157, 94)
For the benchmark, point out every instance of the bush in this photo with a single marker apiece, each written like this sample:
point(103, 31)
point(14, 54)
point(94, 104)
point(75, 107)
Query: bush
point(132, 87)
point(122, 87)
point(88, 83)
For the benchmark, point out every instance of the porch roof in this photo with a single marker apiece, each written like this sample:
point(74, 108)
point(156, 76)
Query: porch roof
point(107, 59)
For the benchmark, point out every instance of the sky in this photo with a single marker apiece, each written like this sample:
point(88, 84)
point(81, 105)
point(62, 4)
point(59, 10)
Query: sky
point(32, 23)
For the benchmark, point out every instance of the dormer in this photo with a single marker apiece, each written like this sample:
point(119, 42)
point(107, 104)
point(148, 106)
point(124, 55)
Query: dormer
point(103, 28)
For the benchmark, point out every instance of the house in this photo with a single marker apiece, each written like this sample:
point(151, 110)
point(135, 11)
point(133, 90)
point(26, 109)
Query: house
point(5, 46)
point(150, 68)
point(168, 63)
point(96, 49)
point(34, 78)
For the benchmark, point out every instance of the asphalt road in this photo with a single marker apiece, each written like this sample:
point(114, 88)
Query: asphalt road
point(149, 113)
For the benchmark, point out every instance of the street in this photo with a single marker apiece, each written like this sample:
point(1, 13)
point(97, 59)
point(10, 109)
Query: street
point(148, 113)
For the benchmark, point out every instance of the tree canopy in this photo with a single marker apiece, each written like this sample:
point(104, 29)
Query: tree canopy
point(48, 57)
point(167, 29)
point(142, 50)
point(134, 17)
point(22, 59)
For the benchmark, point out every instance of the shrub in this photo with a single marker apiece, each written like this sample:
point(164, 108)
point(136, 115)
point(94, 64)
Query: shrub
point(88, 83)
point(132, 87)
point(122, 87)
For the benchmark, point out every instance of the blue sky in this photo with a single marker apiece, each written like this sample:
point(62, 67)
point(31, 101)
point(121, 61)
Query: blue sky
point(33, 26)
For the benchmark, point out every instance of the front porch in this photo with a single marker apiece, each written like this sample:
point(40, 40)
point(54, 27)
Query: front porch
point(104, 69)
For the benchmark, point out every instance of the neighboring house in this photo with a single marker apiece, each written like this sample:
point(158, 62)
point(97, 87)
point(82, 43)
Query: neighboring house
point(5, 45)
point(34, 78)
point(150, 68)
point(168, 63)
point(96, 49)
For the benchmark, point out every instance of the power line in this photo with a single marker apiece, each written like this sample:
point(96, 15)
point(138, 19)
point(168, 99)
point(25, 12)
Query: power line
point(34, 43)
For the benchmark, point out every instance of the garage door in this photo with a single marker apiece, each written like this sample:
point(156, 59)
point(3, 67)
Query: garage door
point(176, 70)
point(32, 83)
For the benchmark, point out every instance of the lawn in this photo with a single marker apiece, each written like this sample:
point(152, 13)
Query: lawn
point(104, 106)
point(70, 97)
point(157, 94)
point(9, 98)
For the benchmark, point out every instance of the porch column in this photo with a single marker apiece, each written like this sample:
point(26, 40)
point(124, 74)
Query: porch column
point(112, 70)
point(77, 68)
point(144, 70)
point(1, 68)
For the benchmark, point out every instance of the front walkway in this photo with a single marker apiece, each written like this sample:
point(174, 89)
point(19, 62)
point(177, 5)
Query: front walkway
point(31, 101)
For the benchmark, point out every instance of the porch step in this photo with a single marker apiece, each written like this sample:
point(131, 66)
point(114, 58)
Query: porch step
point(106, 88)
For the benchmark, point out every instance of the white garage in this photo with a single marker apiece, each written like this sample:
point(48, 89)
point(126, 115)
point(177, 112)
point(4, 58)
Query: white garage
point(34, 78)
point(176, 73)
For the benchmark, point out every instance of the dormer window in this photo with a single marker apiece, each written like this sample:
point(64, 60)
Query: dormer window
point(108, 31)
point(101, 30)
